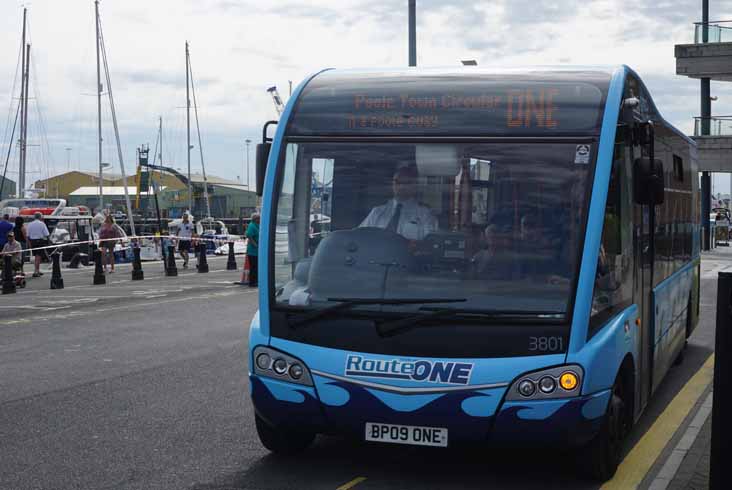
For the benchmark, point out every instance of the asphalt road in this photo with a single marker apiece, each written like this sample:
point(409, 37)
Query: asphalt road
point(142, 385)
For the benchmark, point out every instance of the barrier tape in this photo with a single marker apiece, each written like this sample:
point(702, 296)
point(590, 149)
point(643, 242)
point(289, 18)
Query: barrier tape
point(134, 239)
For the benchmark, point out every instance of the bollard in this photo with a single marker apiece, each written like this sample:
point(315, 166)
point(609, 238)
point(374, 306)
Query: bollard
point(202, 264)
point(137, 274)
point(171, 270)
point(57, 281)
point(8, 279)
point(722, 399)
point(99, 277)
point(231, 263)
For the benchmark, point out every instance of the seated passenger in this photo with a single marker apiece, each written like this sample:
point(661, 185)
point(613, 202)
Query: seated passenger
point(495, 259)
point(403, 214)
point(543, 256)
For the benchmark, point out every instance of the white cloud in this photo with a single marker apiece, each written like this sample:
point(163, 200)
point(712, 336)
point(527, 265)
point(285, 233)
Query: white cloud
point(239, 48)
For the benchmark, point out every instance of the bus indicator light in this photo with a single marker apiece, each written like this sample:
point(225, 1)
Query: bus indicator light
point(568, 380)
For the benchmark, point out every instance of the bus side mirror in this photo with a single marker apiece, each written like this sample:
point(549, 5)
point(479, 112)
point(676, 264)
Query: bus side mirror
point(648, 181)
point(262, 157)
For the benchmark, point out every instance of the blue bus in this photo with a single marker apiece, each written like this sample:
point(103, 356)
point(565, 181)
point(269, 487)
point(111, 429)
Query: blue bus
point(507, 257)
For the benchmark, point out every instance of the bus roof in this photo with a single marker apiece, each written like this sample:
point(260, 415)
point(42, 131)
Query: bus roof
point(462, 101)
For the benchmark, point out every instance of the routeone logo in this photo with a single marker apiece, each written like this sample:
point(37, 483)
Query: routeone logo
point(419, 370)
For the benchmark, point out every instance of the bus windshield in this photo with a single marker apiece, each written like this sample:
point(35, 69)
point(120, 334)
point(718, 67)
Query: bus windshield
point(498, 225)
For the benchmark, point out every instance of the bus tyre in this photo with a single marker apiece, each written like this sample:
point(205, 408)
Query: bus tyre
point(281, 441)
point(602, 455)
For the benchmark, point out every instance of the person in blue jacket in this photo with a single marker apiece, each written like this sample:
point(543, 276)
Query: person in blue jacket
point(252, 235)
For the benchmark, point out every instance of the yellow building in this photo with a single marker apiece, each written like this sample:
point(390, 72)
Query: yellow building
point(64, 184)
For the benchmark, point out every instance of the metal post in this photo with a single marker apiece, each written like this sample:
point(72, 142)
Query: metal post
point(231, 262)
point(412, 32)
point(8, 276)
point(57, 281)
point(99, 277)
point(137, 274)
point(99, 110)
point(171, 270)
point(706, 186)
point(202, 262)
point(247, 141)
point(722, 401)
point(706, 114)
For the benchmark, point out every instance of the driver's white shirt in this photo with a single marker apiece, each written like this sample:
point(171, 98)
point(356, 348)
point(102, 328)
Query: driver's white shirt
point(415, 221)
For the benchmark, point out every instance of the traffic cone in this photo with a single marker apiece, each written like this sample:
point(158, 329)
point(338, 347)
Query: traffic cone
point(244, 273)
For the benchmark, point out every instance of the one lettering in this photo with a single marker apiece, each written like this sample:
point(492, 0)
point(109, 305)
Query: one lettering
point(461, 373)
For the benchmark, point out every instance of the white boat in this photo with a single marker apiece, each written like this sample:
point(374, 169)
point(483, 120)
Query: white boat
point(240, 247)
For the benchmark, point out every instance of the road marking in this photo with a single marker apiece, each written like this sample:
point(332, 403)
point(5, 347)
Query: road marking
point(639, 460)
point(352, 483)
point(72, 314)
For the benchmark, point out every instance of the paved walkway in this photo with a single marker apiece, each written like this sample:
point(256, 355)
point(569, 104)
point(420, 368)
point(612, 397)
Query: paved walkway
point(693, 474)
point(687, 464)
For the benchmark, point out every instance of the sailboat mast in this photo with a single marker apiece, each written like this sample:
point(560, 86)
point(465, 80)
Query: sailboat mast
point(99, 110)
point(25, 126)
point(188, 131)
point(21, 164)
point(160, 135)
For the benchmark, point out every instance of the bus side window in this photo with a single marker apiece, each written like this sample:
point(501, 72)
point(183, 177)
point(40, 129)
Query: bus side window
point(613, 279)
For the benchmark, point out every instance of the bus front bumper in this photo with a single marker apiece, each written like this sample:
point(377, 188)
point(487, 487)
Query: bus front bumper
point(482, 416)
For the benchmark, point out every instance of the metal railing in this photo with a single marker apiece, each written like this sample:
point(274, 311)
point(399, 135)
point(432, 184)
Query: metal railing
point(713, 126)
point(717, 32)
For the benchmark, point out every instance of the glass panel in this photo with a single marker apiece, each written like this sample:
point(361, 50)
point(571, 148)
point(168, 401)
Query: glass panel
point(283, 264)
point(613, 280)
point(498, 225)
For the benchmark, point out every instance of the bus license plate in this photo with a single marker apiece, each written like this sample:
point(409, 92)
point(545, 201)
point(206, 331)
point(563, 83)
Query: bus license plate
point(406, 434)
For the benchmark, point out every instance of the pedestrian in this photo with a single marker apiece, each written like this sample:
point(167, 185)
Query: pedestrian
point(21, 236)
point(12, 247)
point(252, 235)
point(184, 234)
point(38, 237)
point(5, 227)
point(108, 233)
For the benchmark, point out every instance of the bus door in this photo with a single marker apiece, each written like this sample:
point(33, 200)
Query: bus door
point(644, 253)
point(642, 297)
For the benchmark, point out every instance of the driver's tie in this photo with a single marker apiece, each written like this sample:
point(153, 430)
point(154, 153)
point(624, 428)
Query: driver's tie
point(394, 221)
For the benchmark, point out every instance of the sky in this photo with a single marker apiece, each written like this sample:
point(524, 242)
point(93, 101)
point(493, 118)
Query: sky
point(239, 48)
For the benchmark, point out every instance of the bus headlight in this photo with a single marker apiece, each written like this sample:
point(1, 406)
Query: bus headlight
point(264, 361)
point(527, 387)
point(278, 365)
point(545, 384)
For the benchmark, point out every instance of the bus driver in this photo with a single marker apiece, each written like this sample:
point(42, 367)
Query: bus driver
point(403, 214)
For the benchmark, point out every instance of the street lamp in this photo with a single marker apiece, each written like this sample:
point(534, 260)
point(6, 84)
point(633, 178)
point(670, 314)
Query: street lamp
point(68, 158)
point(248, 142)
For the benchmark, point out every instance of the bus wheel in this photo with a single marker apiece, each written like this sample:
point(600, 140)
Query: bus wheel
point(281, 441)
point(602, 455)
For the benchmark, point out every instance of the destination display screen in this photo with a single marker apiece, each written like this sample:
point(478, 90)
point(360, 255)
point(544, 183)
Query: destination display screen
point(450, 105)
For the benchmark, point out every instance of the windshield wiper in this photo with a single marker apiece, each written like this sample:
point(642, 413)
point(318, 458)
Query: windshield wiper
point(396, 327)
point(347, 303)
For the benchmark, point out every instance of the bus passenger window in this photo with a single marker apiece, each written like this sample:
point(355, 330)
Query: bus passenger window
point(613, 286)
